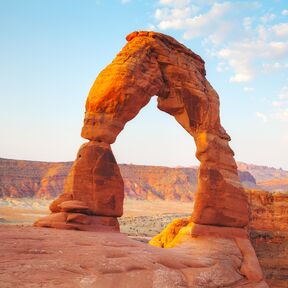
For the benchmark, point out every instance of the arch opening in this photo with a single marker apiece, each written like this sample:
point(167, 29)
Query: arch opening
point(160, 179)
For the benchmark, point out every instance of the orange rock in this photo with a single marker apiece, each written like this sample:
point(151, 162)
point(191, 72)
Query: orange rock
point(167, 236)
point(95, 180)
point(269, 211)
point(75, 206)
point(155, 64)
point(54, 206)
point(250, 265)
point(77, 221)
point(83, 259)
point(146, 66)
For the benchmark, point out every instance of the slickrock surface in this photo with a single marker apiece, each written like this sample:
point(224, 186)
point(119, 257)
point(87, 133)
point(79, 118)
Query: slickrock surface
point(38, 257)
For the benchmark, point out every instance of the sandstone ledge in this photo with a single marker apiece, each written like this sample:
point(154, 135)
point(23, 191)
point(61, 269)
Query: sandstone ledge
point(34, 257)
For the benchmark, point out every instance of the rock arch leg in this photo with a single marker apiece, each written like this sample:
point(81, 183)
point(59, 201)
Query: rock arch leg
point(220, 199)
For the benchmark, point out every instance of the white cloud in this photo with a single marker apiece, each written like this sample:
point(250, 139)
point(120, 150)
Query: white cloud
point(248, 89)
point(210, 23)
point(281, 115)
point(125, 1)
point(268, 17)
point(242, 55)
point(240, 42)
point(275, 66)
point(221, 67)
point(150, 27)
point(175, 3)
point(277, 103)
point(284, 93)
point(262, 116)
point(183, 16)
point(281, 105)
point(247, 23)
point(284, 12)
point(281, 29)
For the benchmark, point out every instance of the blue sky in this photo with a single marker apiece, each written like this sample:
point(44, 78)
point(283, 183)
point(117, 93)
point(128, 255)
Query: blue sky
point(51, 51)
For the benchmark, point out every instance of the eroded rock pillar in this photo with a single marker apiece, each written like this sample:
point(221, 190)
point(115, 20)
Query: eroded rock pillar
point(94, 192)
point(220, 199)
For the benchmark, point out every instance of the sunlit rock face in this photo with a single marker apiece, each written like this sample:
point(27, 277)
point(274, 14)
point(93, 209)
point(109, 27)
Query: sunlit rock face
point(156, 64)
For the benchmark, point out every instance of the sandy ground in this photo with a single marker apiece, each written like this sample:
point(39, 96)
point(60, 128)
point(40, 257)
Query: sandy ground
point(141, 217)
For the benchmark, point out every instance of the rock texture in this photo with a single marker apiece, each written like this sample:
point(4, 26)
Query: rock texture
point(33, 257)
point(263, 173)
point(156, 64)
point(279, 185)
point(20, 178)
point(182, 232)
point(269, 234)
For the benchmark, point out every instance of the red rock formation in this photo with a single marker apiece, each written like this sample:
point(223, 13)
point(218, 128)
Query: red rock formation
point(269, 234)
point(280, 185)
point(19, 178)
point(155, 64)
point(64, 259)
point(95, 182)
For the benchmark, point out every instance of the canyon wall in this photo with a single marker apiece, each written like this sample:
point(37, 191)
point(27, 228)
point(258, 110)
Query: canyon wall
point(20, 178)
point(269, 234)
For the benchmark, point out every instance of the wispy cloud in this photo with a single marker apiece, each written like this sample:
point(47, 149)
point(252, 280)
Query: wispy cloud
point(248, 89)
point(283, 93)
point(281, 105)
point(244, 43)
point(281, 115)
point(272, 67)
point(262, 116)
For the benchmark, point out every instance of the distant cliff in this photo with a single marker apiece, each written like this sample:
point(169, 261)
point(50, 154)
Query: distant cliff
point(19, 178)
point(267, 178)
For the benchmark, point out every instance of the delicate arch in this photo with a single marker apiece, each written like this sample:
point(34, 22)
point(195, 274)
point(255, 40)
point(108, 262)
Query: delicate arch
point(155, 64)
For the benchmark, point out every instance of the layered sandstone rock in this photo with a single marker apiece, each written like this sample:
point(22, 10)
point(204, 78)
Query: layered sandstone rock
point(21, 179)
point(33, 257)
point(183, 233)
point(96, 183)
point(269, 234)
point(156, 64)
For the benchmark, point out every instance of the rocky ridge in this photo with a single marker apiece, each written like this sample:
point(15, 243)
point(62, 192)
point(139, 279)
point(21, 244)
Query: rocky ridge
point(21, 179)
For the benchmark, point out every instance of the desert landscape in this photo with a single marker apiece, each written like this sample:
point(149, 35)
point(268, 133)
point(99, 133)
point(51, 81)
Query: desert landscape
point(143, 219)
point(215, 72)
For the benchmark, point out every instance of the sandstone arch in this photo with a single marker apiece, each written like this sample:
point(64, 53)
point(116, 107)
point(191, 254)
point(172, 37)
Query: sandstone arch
point(150, 64)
